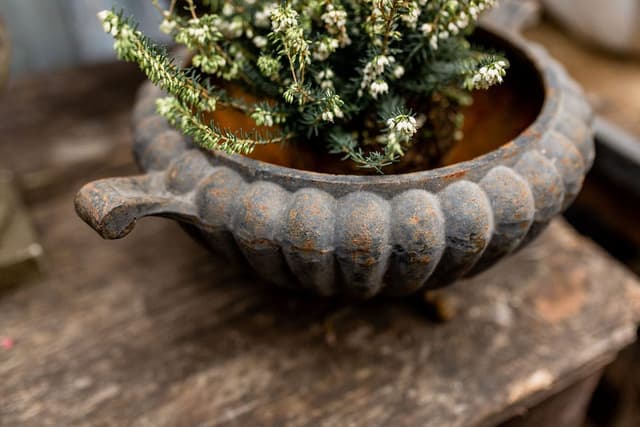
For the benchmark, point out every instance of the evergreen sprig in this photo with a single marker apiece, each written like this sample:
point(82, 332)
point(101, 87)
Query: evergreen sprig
point(346, 73)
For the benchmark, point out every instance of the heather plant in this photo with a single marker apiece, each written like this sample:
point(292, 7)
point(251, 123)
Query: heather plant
point(369, 80)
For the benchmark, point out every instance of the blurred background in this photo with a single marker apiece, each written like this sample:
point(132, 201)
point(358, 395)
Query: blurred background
point(54, 34)
point(598, 41)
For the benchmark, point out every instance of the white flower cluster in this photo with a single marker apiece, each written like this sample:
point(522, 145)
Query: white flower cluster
point(123, 34)
point(264, 117)
point(378, 87)
point(398, 71)
point(299, 48)
point(325, 47)
point(479, 6)
point(168, 24)
point(131, 45)
point(328, 116)
point(232, 29)
point(228, 9)
point(209, 63)
point(283, 19)
point(410, 18)
point(376, 24)
point(335, 21)
point(400, 129)
point(325, 78)
point(331, 108)
point(384, 12)
point(372, 76)
point(453, 18)
point(195, 33)
point(403, 124)
point(260, 41)
point(269, 66)
point(198, 33)
point(109, 22)
point(487, 76)
point(262, 18)
point(284, 23)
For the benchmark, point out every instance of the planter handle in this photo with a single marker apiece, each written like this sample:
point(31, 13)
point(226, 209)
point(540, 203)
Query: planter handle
point(111, 206)
point(513, 15)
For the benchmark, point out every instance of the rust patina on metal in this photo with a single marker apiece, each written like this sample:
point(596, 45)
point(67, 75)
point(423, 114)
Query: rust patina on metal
point(358, 235)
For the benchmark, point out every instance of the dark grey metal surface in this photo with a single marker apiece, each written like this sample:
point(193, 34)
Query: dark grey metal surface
point(358, 235)
point(618, 156)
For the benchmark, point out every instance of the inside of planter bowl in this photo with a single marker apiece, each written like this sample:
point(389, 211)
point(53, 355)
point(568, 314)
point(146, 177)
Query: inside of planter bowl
point(496, 116)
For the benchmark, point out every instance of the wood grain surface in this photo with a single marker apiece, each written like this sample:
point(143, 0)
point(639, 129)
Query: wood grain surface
point(152, 331)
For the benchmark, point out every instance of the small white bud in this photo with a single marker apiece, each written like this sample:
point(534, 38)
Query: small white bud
point(378, 87)
point(260, 41)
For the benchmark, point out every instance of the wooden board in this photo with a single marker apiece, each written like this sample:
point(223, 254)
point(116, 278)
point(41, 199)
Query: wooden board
point(153, 331)
point(609, 203)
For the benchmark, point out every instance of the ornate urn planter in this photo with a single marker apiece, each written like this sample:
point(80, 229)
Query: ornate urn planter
point(359, 235)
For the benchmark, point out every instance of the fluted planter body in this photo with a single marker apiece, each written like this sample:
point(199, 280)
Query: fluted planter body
point(358, 235)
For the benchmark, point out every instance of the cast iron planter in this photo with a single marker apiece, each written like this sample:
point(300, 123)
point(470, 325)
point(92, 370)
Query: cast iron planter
point(358, 235)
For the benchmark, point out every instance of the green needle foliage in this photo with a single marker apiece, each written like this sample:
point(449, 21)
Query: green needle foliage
point(352, 75)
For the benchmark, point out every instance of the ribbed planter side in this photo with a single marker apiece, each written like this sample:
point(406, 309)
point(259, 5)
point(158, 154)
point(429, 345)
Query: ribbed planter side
point(358, 235)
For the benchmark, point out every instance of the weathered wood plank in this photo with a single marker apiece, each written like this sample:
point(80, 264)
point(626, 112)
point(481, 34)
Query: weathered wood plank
point(67, 124)
point(149, 330)
point(152, 330)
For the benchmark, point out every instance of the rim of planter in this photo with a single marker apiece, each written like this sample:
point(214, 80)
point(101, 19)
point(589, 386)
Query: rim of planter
point(353, 233)
point(549, 76)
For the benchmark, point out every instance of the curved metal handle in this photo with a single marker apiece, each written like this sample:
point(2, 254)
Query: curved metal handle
point(111, 206)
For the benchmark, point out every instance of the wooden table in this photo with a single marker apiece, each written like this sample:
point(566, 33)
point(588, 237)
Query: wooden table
point(152, 331)
point(608, 205)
